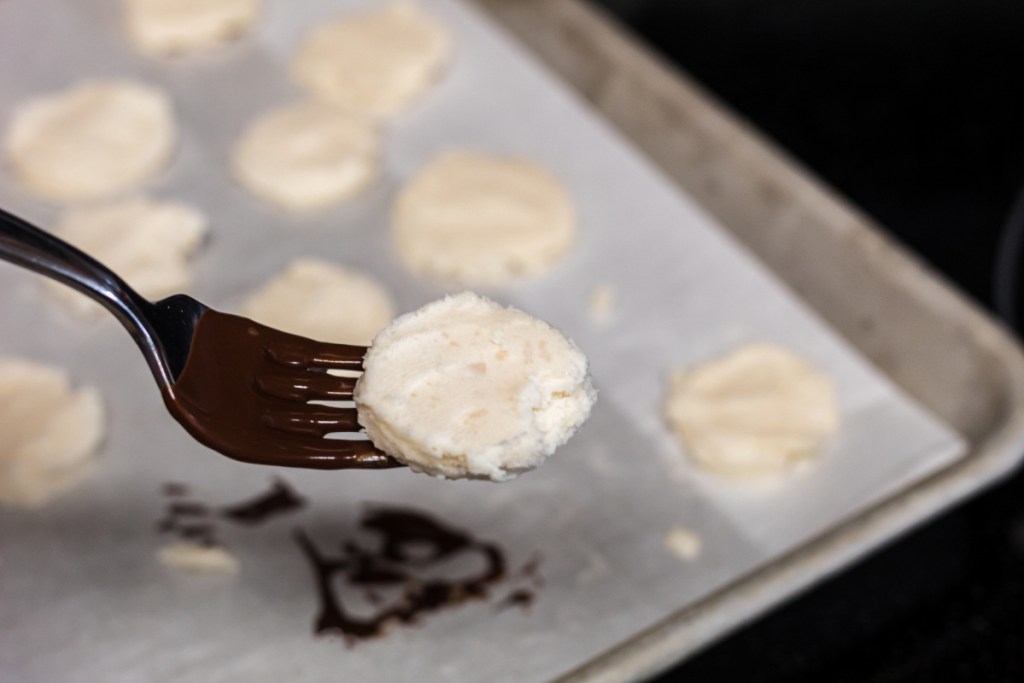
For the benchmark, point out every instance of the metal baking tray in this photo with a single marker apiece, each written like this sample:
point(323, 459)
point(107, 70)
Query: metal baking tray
point(932, 341)
point(616, 616)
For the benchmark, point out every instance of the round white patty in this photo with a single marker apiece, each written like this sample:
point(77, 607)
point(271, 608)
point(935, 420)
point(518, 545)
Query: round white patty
point(94, 140)
point(374, 62)
point(148, 243)
point(757, 411)
point(480, 219)
point(48, 433)
point(465, 388)
point(322, 301)
point(163, 27)
point(307, 156)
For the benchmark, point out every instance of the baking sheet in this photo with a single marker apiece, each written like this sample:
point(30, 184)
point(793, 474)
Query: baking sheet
point(82, 573)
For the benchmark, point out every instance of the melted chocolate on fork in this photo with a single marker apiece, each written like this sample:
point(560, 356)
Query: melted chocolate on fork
point(244, 388)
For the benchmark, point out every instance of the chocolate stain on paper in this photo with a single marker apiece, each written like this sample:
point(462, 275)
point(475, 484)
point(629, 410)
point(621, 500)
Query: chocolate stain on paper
point(404, 565)
point(185, 519)
point(281, 499)
point(407, 545)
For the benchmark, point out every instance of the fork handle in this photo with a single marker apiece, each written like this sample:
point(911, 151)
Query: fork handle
point(27, 246)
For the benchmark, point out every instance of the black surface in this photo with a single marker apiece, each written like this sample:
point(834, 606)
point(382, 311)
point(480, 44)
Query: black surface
point(915, 111)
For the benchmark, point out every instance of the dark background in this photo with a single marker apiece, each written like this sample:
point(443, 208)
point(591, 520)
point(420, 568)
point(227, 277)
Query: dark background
point(915, 111)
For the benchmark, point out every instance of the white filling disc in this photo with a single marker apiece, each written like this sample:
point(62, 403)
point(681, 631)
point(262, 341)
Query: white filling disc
point(757, 411)
point(375, 62)
point(322, 301)
point(48, 433)
point(91, 141)
point(163, 27)
point(464, 387)
point(481, 220)
point(307, 156)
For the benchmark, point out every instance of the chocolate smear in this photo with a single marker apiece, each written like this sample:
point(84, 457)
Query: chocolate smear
point(521, 597)
point(279, 500)
point(408, 542)
point(187, 520)
point(173, 488)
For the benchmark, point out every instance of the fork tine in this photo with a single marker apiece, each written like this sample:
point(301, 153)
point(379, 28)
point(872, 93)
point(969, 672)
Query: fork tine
point(312, 422)
point(306, 387)
point(308, 354)
point(334, 454)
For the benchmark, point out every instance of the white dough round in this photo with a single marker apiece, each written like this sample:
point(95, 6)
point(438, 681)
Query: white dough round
point(322, 301)
point(465, 388)
point(758, 411)
point(307, 156)
point(48, 433)
point(92, 141)
point(480, 219)
point(375, 62)
point(148, 243)
point(165, 27)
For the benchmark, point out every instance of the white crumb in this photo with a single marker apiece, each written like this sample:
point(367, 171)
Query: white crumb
point(191, 557)
point(683, 543)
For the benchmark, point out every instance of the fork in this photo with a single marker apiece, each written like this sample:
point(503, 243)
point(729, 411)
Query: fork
point(241, 388)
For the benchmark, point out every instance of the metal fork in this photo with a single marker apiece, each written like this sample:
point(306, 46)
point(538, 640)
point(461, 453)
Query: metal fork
point(239, 387)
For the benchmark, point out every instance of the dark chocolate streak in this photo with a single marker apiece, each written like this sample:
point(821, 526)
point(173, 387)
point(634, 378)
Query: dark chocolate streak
point(187, 509)
point(187, 520)
point(203, 534)
point(393, 563)
point(173, 488)
point(244, 388)
point(531, 571)
point(521, 597)
point(279, 500)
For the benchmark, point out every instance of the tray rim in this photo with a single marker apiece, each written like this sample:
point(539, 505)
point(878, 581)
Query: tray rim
point(991, 457)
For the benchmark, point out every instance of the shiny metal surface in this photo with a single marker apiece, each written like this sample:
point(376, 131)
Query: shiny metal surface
point(282, 428)
point(162, 330)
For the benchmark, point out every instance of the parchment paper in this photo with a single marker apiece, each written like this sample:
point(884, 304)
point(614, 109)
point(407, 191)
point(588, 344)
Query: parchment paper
point(82, 597)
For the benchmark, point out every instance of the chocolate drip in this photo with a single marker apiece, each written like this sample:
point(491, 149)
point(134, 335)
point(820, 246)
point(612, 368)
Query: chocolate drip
point(389, 570)
point(402, 530)
point(188, 509)
point(203, 534)
point(279, 500)
point(521, 597)
point(367, 569)
point(173, 488)
point(395, 563)
point(531, 566)
point(531, 570)
point(186, 519)
point(333, 616)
